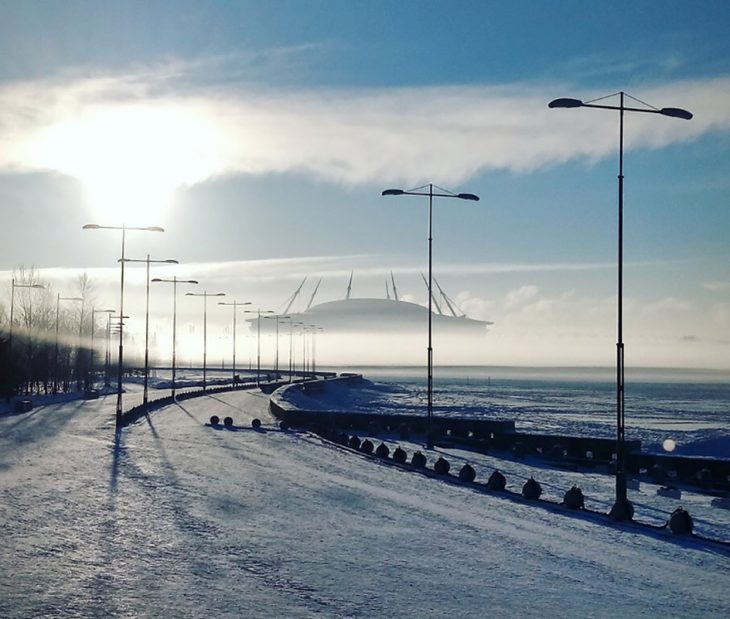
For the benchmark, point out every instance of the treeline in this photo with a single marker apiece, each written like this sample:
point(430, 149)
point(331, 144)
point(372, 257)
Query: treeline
point(47, 348)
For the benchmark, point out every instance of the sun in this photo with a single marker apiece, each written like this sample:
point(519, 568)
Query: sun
point(132, 158)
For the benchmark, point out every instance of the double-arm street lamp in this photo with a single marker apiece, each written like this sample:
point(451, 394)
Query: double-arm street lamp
point(205, 294)
point(120, 369)
point(30, 324)
point(308, 361)
point(59, 298)
point(111, 328)
point(147, 261)
point(441, 193)
point(235, 305)
point(277, 317)
point(13, 286)
point(174, 281)
point(622, 509)
point(258, 313)
point(292, 324)
point(314, 349)
point(94, 312)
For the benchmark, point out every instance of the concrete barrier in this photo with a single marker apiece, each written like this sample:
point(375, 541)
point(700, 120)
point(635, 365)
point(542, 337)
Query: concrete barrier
point(418, 460)
point(484, 434)
point(531, 490)
point(496, 481)
point(680, 522)
point(467, 473)
point(441, 466)
point(574, 499)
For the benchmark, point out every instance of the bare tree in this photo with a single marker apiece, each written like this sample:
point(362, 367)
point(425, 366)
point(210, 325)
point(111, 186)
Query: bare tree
point(86, 292)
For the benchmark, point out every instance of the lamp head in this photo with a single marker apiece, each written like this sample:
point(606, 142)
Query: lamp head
point(90, 227)
point(154, 229)
point(392, 192)
point(172, 262)
point(468, 196)
point(676, 112)
point(565, 102)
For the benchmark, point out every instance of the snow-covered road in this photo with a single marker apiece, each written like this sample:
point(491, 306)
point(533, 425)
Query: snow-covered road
point(172, 518)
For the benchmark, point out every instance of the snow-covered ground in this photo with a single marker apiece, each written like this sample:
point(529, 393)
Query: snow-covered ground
point(171, 518)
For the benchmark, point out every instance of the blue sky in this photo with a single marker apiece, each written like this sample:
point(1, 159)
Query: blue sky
point(260, 134)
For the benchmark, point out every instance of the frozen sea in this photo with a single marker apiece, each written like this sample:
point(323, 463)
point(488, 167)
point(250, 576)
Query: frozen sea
point(690, 407)
point(173, 518)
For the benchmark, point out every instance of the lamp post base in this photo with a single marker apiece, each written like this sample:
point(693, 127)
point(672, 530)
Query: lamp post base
point(622, 511)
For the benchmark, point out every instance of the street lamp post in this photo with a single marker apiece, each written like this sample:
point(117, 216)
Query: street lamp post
point(174, 281)
point(106, 352)
point(622, 508)
point(277, 317)
point(78, 350)
point(258, 313)
point(12, 306)
point(291, 346)
point(147, 261)
point(307, 361)
point(431, 195)
point(94, 312)
point(30, 321)
point(114, 328)
point(120, 370)
point(235, 305)
point(304, 352)
point(59, 298)
point(205, 294)
point(314, 350)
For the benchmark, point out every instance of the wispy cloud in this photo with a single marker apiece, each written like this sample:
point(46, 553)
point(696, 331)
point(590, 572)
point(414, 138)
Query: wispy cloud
point(339, 135)
point(333, 266)
point(717, 286)
point(666, 307)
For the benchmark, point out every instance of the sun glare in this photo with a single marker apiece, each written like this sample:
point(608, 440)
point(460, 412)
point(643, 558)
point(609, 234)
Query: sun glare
point(132, 158)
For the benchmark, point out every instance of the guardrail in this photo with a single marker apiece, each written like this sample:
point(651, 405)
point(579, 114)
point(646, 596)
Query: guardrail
point(140, 410)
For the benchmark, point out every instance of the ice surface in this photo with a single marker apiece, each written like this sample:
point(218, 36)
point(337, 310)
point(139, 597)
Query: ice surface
point(695, 415)
point(172, 518)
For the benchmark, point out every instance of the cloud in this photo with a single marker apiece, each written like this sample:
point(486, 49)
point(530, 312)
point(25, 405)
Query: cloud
point(665, 307)
point(364, 266)
point(277, 278)
point(716, 286)
point(520, 296)
point(189, 133)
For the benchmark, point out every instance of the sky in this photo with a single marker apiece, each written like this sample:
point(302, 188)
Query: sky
point(261, 134)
